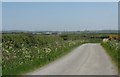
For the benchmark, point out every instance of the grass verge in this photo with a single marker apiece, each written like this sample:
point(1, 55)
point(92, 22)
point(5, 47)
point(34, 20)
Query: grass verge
point(31, 66)
point(114, 54)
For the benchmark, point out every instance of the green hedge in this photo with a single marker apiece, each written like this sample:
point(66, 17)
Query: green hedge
point(25, 52)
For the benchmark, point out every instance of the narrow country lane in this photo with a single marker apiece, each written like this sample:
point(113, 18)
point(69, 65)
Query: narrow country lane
point(87, 59)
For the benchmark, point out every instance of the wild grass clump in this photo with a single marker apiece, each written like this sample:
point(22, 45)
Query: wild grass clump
point(113, 47)
point(25, 52)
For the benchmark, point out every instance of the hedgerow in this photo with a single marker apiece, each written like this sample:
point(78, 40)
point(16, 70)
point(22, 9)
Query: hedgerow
point(25, 52)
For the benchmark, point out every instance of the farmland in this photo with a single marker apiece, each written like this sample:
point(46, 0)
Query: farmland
point(26, 52)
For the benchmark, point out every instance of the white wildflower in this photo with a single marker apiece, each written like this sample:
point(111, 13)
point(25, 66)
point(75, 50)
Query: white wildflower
point(105, 40)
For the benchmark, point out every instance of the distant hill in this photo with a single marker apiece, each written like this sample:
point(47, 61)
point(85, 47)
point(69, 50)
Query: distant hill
point(100, 31)
point(86, 31)
point(107, 31)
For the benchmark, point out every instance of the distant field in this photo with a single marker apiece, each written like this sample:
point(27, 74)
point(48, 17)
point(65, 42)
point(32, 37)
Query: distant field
point(24, 52)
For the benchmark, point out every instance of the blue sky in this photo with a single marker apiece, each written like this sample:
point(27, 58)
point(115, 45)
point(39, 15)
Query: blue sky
point(0, 16)
point(59, 0)
point(59, 16)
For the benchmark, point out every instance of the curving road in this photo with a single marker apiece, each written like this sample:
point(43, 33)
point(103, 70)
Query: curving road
point(87, 59)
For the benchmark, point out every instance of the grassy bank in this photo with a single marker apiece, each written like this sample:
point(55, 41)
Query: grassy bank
point(112, 48)
point(26, 52)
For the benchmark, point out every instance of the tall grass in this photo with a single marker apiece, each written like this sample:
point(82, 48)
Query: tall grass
point(112, 47)
point(25, 52)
